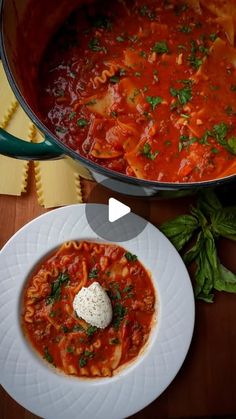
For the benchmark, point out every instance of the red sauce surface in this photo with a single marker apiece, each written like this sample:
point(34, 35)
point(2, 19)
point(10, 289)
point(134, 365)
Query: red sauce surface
point(68, 342)
point(144, 88)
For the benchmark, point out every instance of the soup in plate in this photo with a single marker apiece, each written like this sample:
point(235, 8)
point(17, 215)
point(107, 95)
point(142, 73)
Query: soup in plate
point(146, 88)
point(89, 308)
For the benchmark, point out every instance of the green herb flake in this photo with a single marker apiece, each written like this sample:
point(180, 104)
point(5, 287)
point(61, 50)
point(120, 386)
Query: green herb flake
point(64, 328)
point(91, 330)
point(72, 115)
point(214, 150)
point(82, 362)
point(119, 312)
point(56, 286)
point(114, 341)
point(137, 74)
point(130, 257)
point(154, 101)
point(70, 349)
point(93, 273)
point(160, 47)
point(145, 11)
point(231, 145)
point(88, 354)
point(185, 29)
point(82, 122)
point(91, 102)
point(114, 79)
point(120, 39)
point(146, 151)
point(213, 36)
point(77, 328)
point(183, 95)
point(94, 45)
point(48, 356)
point(128, 288)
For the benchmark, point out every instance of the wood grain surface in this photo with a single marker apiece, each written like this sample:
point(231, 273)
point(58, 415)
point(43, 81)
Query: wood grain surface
point(206, 384)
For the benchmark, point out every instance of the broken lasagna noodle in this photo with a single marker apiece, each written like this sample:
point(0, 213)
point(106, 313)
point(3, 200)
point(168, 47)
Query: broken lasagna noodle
point(67, 341)
point(147, 89)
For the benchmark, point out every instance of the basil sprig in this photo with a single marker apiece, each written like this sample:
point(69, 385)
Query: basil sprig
point(206, 223)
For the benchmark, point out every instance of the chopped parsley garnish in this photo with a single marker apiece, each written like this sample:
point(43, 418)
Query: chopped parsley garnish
point(130, 257)
point(114, 114)
point(56, 286)
point(194, 60)
point(186, 141)
point(185, 29)
point(94, 45)
point(203, 50)
point(137, 74)
point(145, 11)
point(154, 101)
point(147, 152)
point(88, 354)
point(82, 122)
point(77, 328)
point(114, 341)
point(64, 328)
point(183, 95)
point(213, 36)
point(91, 330)
point(114, 79)
point(229, 110)
point(93, 273)
point(119, 312)
point(120, 39)
point(128, 288)
point(160, 47)
point(48, 356)
point(232, 145)
point(219, 132)
point(143, 54)
point(91, 102)
point(82, 361)
point(70, 349)
point(72, 115)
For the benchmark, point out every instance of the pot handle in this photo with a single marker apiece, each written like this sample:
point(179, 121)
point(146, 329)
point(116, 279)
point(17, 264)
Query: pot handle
point(14, 147)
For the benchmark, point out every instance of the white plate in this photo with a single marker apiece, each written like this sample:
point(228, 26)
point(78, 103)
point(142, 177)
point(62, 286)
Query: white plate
point(50, 395)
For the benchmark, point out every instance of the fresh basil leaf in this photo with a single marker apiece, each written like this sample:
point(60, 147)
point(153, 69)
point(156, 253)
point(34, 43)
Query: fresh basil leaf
point(208, 201)
point(180, 230)
point(232, 145)
point(207, 298)
point(226, 281)
point(193, 253)
point(224, 222)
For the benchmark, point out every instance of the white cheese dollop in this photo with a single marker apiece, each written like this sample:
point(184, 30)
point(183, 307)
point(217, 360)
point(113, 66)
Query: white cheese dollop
point(93, 305)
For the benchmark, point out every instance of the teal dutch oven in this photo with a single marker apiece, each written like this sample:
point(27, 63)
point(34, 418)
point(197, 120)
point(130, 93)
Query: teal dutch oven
point(24, 24)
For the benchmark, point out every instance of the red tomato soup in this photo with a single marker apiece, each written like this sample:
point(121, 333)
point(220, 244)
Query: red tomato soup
point(65, 340)
point(145, 88)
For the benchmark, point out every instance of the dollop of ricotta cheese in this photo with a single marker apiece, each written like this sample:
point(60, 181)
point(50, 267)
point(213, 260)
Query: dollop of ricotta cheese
point(93, 305)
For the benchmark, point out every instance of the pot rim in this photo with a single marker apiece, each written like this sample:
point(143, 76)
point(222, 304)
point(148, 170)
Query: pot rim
point(85, 161)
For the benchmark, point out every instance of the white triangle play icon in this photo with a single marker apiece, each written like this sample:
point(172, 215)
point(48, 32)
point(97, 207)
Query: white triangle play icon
point(117, 210)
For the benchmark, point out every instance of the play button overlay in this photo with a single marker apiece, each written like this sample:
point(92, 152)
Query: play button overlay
point(117, 210)
point(120, 217)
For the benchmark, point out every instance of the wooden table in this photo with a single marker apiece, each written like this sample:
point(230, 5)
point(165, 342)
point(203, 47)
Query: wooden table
point(206, 384)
